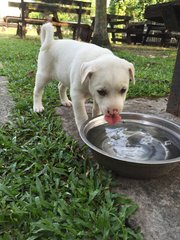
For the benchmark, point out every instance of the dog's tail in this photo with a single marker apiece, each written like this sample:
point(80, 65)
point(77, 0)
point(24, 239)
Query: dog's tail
point(47, 36)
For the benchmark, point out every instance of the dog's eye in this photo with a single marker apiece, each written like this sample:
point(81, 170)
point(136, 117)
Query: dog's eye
point(102, 92)
point(123, 90)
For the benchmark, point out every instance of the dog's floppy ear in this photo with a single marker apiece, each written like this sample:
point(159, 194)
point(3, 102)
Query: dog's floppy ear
point(87, 69)
point(132, 73)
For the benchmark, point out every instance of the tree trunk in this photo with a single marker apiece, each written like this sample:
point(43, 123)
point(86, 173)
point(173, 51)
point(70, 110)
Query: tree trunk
point(100, 35)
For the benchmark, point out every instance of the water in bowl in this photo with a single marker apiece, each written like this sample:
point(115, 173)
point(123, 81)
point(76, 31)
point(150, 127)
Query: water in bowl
point(134, 142)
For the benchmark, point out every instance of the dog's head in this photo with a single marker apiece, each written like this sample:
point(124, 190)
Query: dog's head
point(108, 80)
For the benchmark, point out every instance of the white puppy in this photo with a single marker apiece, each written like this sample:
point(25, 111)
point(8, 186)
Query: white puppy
point(88, 70)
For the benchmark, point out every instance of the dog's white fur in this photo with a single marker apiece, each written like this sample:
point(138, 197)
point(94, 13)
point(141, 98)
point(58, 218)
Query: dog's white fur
point(88, 70)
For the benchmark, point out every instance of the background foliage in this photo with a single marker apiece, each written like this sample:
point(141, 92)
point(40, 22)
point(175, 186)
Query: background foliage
point(134, 8)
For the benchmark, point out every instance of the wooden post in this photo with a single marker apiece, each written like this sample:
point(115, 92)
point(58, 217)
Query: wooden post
point(76, 33)
point(23, 28)
point(173, 105)
point(58, 29)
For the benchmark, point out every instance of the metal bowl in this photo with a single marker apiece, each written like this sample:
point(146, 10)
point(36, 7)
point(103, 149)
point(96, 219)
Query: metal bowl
point(140, 146)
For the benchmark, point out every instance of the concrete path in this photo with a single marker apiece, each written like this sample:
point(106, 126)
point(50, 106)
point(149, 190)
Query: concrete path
point(6, 102)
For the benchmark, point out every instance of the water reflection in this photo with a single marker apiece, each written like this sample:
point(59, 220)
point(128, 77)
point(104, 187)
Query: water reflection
point(134, 142)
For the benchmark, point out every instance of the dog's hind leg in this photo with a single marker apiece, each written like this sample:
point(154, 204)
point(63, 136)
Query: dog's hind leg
point(63, 95)
point(41, 82)
point(95, 110)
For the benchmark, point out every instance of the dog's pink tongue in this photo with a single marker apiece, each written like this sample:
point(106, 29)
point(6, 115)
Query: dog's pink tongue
point(112, 118)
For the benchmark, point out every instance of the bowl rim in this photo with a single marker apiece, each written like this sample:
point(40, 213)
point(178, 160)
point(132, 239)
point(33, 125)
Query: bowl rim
point(145, 122)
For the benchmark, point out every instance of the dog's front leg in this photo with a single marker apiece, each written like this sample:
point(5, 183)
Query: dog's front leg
point(95, 110)
point(80, 114)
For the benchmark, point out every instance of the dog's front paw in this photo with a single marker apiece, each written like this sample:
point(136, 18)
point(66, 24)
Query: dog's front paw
point(38, 109)
point(66, 103)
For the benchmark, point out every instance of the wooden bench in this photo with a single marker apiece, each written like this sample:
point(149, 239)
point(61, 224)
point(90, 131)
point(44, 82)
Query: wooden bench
point(117, 26)
point(156, 33)
point(77, 8)
point(135, 32)
point(151, 33)
point(148, 33)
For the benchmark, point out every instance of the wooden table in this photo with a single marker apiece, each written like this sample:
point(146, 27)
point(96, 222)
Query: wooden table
point(116, 24)
point(77, 8)
point(169, 13)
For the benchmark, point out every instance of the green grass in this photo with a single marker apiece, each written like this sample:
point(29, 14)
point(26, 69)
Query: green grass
point(49, 187)
point(154, 70)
